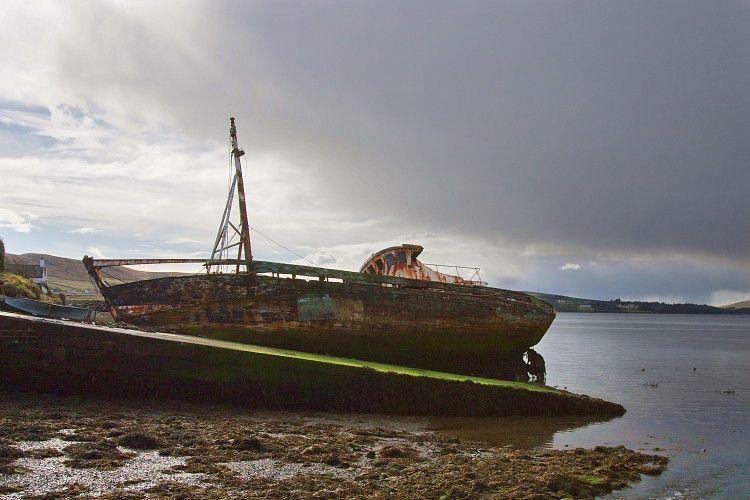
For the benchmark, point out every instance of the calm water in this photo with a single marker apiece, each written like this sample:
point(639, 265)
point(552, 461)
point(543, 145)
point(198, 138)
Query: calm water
point(616, 357)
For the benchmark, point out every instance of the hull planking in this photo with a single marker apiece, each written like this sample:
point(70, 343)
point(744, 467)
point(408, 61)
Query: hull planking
point(410, 322)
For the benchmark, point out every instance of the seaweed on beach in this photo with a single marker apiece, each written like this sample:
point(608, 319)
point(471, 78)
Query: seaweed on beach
point(101, 455)
point(236, 453)
point(140, 441)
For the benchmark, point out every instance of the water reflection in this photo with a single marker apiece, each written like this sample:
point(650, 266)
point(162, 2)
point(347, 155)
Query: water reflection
point(515, 432)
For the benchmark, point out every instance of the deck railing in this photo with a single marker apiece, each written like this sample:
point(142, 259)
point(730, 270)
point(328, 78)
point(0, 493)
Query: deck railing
point(295, 271)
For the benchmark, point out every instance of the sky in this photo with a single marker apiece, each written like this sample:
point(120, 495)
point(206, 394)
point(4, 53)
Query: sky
point(586, 148)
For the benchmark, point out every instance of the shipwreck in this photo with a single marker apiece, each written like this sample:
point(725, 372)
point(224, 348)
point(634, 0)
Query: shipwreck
point(395, 310)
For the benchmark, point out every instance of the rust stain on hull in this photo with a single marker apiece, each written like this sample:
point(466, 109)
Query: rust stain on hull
point(402, 261)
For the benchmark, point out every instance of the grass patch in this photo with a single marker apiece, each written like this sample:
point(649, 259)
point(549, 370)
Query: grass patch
point(13, 285)
point(74, 287)
point(18, 285)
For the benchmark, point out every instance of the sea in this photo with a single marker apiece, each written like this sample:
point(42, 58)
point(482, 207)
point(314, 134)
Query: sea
point(683, 379)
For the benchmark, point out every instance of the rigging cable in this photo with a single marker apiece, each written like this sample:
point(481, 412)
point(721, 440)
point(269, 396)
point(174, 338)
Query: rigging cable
point(282, 246)
point(244, 164)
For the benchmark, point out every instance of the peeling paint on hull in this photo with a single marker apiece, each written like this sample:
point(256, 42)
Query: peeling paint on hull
point(451, 328)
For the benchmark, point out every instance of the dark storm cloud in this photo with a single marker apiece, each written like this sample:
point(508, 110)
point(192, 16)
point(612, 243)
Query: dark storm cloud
point(600, 124)
point(605, 125)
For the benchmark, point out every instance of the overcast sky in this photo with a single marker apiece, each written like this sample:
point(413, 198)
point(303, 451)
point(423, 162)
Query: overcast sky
point(596, 149)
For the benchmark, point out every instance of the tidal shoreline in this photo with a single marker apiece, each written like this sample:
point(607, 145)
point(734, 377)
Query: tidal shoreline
point(70, 446)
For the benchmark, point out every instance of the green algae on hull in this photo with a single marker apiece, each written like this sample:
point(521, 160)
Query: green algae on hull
point(62, 357)
point(356, 363)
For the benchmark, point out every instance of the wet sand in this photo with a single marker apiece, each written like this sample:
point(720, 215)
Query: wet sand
point(62, 447)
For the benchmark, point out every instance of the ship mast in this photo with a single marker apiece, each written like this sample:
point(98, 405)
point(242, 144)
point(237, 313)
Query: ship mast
point(223, 242)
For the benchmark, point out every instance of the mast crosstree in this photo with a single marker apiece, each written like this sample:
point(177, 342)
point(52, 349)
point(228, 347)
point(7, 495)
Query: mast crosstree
point(226, 238)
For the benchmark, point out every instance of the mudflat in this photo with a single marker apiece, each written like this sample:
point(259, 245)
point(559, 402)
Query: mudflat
point(71, 446)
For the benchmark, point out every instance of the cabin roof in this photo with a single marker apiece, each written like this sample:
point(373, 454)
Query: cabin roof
point(415, 250)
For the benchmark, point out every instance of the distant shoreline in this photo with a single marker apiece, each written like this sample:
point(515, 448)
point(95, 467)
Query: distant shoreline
point(563, 303)
point(647, 313)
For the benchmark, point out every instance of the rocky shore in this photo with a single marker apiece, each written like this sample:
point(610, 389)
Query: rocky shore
point(61, 447)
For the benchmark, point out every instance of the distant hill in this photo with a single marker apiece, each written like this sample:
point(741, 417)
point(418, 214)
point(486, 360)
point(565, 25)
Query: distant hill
point(745, 304)
point(70, 274)
point(563, 303)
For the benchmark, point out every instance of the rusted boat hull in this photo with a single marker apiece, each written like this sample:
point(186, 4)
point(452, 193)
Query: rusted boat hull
point(453, 328)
